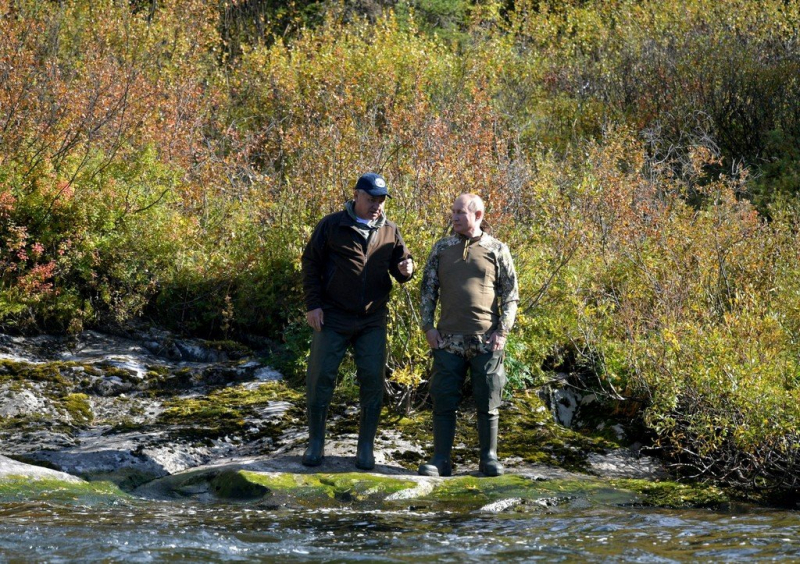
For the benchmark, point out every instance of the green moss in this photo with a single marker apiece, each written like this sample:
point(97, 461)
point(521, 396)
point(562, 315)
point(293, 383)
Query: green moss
point(189, 410)
point(48, 372)
point(156, 370)
point(415, 427)
point(25, 488)
point(167, 382)
point(110, 370)
point(527, 431)
point(235, 485)
point(233, 349)
point(467, 492)
point(458, 494)
point(674, 495)
point(359, 487)
point(157, 375)
point(330, 488)
point(126, 478)
point(461, 493)
point(37, 422)
point(77, 405)
point(409, 459)
point(125, 425)
point(224, 412)
point(463, 488)
point(91, 370)
point(11, 422)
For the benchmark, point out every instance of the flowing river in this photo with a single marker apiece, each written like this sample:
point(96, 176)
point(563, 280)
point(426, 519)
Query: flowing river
point(133, 530)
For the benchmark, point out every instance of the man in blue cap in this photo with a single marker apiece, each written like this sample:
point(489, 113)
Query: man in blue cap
point(346, 284)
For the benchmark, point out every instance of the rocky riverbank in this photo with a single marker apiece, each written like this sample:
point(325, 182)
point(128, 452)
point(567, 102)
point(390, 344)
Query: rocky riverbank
point(165, 417)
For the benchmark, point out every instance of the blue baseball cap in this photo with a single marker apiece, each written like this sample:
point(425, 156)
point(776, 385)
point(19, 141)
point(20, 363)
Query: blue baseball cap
point(373, 184)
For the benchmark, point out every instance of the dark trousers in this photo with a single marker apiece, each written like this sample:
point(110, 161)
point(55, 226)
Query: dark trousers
point(449, 372)
point(367, 336)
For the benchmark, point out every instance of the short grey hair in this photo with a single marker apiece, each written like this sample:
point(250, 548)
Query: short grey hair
point(474, 202)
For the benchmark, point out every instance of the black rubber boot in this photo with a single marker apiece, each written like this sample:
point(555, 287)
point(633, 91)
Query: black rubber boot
point(444, 432)
point(316, 436)
point(368, 428)
point(487, 436)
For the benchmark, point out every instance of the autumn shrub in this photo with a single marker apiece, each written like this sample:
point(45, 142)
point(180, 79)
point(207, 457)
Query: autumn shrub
point(99, 136)
point(685, 306)
point(86, 247)
point(336, 103)
point(726, 72)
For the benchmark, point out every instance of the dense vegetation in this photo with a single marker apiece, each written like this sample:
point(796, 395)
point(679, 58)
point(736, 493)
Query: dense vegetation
point(641, 158)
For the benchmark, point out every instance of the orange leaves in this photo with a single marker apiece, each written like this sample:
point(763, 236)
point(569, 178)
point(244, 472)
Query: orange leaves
point(23, 266)
point(38, 280)
point(101, 80)
point(7, 201)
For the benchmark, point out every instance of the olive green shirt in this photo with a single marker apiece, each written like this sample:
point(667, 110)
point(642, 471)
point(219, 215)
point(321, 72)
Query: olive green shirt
point(475, 283)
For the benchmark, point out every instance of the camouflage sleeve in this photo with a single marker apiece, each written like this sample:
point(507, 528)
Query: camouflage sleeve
point(429, 289)
point(507, 291)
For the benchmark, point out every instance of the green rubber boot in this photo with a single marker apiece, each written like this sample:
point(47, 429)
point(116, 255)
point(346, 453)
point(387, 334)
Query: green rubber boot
point(316, 436)
point(444, 432)
point(487, 436)
point(368, 428)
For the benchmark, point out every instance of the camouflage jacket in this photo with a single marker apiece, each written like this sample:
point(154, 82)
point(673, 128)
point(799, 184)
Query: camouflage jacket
point(506, 288)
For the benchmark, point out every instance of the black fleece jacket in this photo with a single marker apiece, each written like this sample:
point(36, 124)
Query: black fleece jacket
point(344, 271)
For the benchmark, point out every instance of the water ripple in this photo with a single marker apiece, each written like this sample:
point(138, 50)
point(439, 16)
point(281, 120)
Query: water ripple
point(164, 532)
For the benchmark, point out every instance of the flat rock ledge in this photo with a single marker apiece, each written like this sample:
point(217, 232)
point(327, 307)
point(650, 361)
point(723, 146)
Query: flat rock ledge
point(257, 482)
point(91, 409)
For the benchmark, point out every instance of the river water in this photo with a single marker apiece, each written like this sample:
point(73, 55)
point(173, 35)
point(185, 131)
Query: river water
point(132, 530)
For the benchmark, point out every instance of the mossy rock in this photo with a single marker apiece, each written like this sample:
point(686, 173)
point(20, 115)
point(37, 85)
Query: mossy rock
point(47, 372)
point(528, 431)
point(233, 349)
point(489, 494)
point(234, 485)
point(674, 495)
point(470, 493)
point(374, 491)
point(330, 489)
point(78, 408)
point(126, 478)
point(226, 411)
point(25, 488)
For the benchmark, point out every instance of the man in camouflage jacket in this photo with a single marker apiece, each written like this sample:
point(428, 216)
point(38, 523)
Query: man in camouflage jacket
point(471, 275)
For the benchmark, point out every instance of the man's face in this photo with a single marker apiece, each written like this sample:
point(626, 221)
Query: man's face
point(368, 207)
point(465, 222)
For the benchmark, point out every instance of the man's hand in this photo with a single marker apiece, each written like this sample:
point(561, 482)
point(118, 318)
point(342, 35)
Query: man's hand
point(315, 319)
point(496, 341)
point(406, 267)
point(433, 338)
